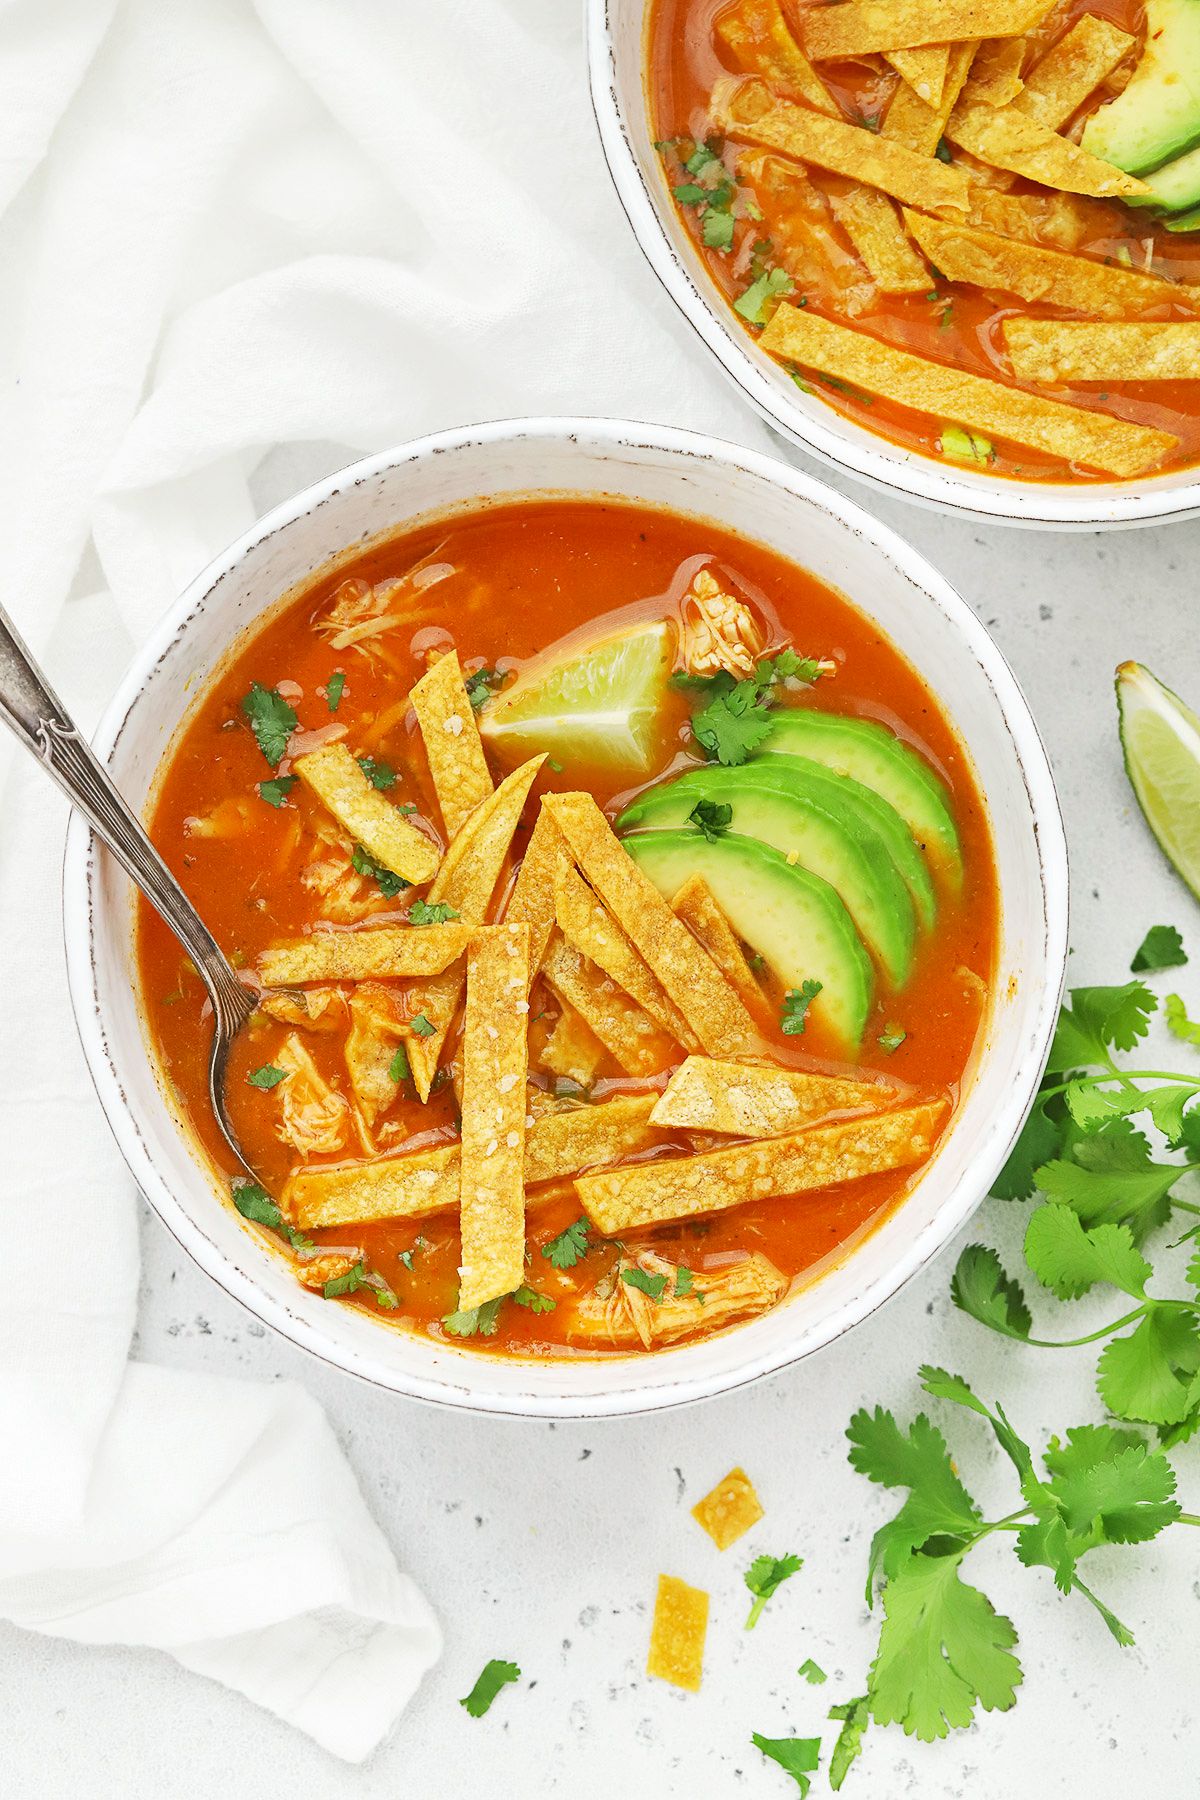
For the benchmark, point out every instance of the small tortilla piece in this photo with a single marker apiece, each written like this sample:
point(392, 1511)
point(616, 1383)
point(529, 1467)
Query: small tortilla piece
point(677, 1634)
point(532, 899)
point(1032, 272)
point(375, 953)
point(453, 746)
point(587, 927)
point(756, 33)
point(749, 112)
point(729, 1510)
point(757, 1100)
point(860, 26)
point(627, 1033)
point(627, 1318)
point(1067, 432)
point(708, 1003)
point(376, 1032)
point(912, 122)
point(1060, 83)
point(996, 72)
point(572, 1050)
point(698, 910)
point(558, 1146)
point(873, 226)
point(1005, 138)
point(809, 243)
point(332, 774)
point(924, 69)
point(492, 1164)
point(1059, 350)
point(466, 881)
point(687, 1187)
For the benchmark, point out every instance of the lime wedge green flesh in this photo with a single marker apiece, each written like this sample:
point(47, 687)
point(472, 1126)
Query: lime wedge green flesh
point(1160, 738)
point(812, 830)
point(794, 920)
point(600, 705)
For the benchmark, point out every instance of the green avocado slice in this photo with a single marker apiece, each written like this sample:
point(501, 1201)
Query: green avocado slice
point(812, 826)
point(1157, 116)
point(792, 918)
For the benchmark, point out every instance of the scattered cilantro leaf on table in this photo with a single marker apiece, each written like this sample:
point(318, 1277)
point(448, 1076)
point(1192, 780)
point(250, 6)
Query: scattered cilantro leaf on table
point(1161, 948)
point(796, 1755)
point(812, 1672)
point(1178, 1022)
point(272, 720)
point(764, 1576)
point(494, 1675)
point(855, 1716)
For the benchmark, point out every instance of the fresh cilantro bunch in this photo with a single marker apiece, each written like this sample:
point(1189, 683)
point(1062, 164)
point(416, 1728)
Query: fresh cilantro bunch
point(736, 715)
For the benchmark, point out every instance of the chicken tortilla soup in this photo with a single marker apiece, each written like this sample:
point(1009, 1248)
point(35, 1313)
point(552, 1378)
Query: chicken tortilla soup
point(622, 910)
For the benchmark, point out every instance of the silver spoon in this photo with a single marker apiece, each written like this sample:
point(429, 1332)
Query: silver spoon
point(29, 706)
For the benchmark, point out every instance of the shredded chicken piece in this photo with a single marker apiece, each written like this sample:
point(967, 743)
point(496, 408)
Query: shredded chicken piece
point(313, 1117)
point(376, 1032)
point(315, 1271)
point(360, 612)
point(719, 632)
point(626, 1316)
point(320, 1009)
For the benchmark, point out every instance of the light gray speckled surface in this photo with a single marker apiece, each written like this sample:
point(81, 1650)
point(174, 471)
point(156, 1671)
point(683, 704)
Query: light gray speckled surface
point(542, 1543)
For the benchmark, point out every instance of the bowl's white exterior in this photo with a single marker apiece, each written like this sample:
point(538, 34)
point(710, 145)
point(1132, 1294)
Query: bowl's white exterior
point(763, 500)
point(616, 58)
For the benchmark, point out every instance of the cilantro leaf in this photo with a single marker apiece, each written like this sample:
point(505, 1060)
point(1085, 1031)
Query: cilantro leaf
point(533, 1301)
point(891, 1038)
point(276, 791)
point(796, 1755)
point(333, 689)
point(481, 685)
point(267, 1077)
point(652, 1285)
point(764, 1576)
point(398, 1069)
point(420, 912)
point(1113, 1180)
point(812, 1672)
point(1041, 1139)
point(711, 817)
point(1067, 1258)
point(422, 1026)
point(796, 1003)
point(569, 1246)
point(855, 1716)
point(732, 725)
point(943, 1650)
point(787, 665)
point(254, 1203)
point(1178, 1023)
point(1161, 948)
point(944, 1386)
point(494, 1676)
point(1099, 1018)
point(272, 719)
point(716, 228)
point(980, 1287)
point(684, 1282)
point(702, 157)
point(938, 1505)
point(772, 284)
point(479, 1320)
point(1150, 1374)
point(689, 193)
point(381, 775)
point(389, 884)
point(348, 1283)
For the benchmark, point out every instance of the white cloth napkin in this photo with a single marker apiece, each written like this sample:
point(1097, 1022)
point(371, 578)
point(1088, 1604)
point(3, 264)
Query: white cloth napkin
point(227, 226)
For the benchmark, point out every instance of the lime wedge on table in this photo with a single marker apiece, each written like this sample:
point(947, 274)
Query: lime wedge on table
point(597, 703)
point(1160, 737)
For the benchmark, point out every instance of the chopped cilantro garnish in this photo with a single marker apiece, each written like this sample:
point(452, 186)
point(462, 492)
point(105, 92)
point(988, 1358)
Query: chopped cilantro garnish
point(733, 724)
point(943, 151)
point(716, 231)
point(422, 1026)
point(272, 719)
point(772, 284)
point(569, 1246)
point(405, 1256)
point(786, 665)
point(481, 685)
point(390, 884)
point(479, 1320)
point(269, 1076)
point(711, 817)
point(495, 1675)
point(422, 913)
point(891, 1037)
point(702, 157)
point(254, 1203)
point(812, 1672)
point(796, 1003)
point(381, 775)
point(349, 1283)
point(855, 1716)
point(797, 1756)
point(690, 193)
point(333, 689)
point(276, 791)
point(1161, 948)
point(398, 1069)
point(764, 1576)
point(652, 1285)
point(534, 1302)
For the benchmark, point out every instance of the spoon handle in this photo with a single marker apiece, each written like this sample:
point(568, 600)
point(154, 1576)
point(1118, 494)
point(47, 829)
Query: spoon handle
point(29, 706)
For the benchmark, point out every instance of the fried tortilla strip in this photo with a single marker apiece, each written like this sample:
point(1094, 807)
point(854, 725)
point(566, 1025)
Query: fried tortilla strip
point(708, 1003)
point(677, 1634)
point(749, 112)
point(1005, 138)
point(452, 743)
point(860, 26)
point(374, 953)
point(1059, 350)
point(758, 36)
point(1060, 83)
point(492, 1163)
point(559, 1145)
point(685, 1187)
point(729, 1510)
point(758, 1100)
point(1063, 221)
point(466, 882)
point(572, 1050)
point(912, 122)
point(1067, 432)
point(626, 1316)
point(587, 927)
point(321, 1009)
point(809, 243)
point(627, 1033)
point(873, 226)
point(698, 910)
point(924, 69)
point(996, 72)
point(332, 774)
point(1032, 272)
point(376, 1033)
point(532, 899)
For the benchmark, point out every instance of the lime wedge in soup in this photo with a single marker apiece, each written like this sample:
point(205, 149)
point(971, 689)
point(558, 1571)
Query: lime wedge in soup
point(1160, 738)
point(598, 703)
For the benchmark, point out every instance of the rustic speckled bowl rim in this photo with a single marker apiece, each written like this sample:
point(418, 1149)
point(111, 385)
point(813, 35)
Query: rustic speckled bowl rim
point(1047, 967)
point(808, 422)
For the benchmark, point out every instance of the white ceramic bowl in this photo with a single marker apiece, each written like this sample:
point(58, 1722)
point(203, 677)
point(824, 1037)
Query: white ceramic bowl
point(616, 55)
point(694, 475)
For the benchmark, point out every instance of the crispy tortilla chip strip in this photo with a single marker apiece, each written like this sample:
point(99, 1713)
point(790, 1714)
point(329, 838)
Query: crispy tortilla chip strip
point(1066, 432)
point(375, 953)
point(986, 260)
point(1007, 139)
point(572, 1050)
point(332, 774)
point(1059, 350)
point(492, 1163)
point(587, 927)
point(924, 69)
point(749, 112)
point(452, 742)
point(808, 241)
point(755, 1100)
point(1063, 221)
point(532, 899)
point(861, 26)
point(559, 1145)
point(627, 1033)
point(686, 1187)
point(466, 881)
point(760, 38)
point(698, 910)
point(873, 226)
point(912, 122)
point(708, 1003)
point(1078, 63)
point(996, 72)
point(677, 1634)
point(729, 1510)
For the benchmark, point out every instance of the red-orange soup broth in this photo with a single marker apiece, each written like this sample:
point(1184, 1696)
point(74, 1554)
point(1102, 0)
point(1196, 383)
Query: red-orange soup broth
point(506, 584)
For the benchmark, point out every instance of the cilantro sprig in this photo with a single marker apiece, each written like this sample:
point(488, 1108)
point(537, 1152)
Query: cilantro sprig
point(271, 719)
point(736, 718)
point(764, 1577)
